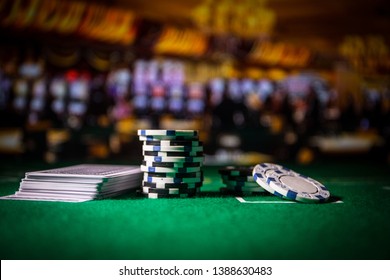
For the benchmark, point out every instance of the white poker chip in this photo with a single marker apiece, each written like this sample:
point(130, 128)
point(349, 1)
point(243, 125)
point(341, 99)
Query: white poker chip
point(153, 148)
point(294, 186)
point(260, 173)
point(145, 168)
point(157, 196)
point(174, 143)
point(168, 132)
point(173, 159)
point(171, 164)
point(167, 191)
point(167, 138)
point(172, 185)
point(174, 174)
point(151, 179)
point(172, 154)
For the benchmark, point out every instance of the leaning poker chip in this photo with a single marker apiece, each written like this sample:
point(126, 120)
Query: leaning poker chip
point(169, 191)
point(236, 171)
point(173, 143)
point(145, 168)
point(162, 132)
point(171, 164)
point(172, 154)
point(173, 159)
point(297, 187)
point(172, 185)
point(174, 175)
point(259, 174)
point(172, 148)
point(172, 179)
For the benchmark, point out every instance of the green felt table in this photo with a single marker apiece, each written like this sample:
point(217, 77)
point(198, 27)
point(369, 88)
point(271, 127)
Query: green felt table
point(354, 225)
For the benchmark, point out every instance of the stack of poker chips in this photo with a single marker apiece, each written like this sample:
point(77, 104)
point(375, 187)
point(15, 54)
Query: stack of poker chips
point(239, 180)
point(172, 163)
point(270, 178)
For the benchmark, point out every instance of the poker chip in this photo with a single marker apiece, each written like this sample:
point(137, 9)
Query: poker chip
point(244, 187)
point(167, 138)
point(288, 184)
point(156, 195)
point(173, 174)
point(173, 143)
point(229, 191)
point(173, 159)
point(297, 187)
point(236, 171)
point(240, 184)
point(238, 178)
point(172, 163)
point(162, 132)
point(168, 191)
point(171, 179)
point(172, 185)
point(145, 168)
point(155, 148)
point(172, 154)
point(260, 172)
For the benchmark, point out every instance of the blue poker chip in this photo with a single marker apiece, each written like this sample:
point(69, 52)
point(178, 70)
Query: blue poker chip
point(295, 186)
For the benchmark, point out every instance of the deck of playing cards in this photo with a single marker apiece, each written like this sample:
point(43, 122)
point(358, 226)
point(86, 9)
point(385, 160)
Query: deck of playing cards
point(78, 183)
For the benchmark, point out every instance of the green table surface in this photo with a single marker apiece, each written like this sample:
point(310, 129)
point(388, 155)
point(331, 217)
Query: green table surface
point(210, 226)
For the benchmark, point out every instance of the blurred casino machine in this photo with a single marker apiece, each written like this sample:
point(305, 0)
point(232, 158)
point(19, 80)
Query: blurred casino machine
point(260, 80)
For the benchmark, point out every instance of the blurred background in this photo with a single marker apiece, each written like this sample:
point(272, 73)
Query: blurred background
point(291, 80)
